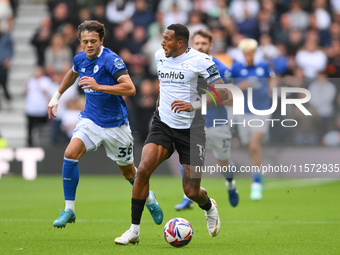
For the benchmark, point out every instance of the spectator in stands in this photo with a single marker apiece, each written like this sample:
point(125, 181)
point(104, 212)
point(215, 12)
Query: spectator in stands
point(145, 106)
point(268, 50)
point(100, 16)
point(57, 134)
point(37, 88)
point(175, 15)
point(6, 15)
point(157, 26)
point(243, 10)
point(280, 62)
point(219, 40)
point(133, 54)
point(70, 37)
point(69, 118)
point(184, 6)
point(58, 55)
point(61, 15)
point(332, 138)
point(207, 6)
point(6, 54)
point(245, 14)
point(150, 48)
point(142, 15)
point(295, 41)
point(41, 39)
point(322, 20)
point(282, 33)
point(323, 93)
point(335, 31)
point(311, 59)
point(118, 40)
point(84, 14)
point(299, 18)
point(333, 67)
point(196, 22)
point(118, 11)
point(304, 132)
point(71, 5)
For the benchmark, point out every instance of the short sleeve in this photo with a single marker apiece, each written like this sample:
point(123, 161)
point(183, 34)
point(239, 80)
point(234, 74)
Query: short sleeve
point(116, 67)
point(76, 62)
point(208, 69)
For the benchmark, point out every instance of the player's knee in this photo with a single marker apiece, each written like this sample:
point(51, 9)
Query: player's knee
point(143, 173)
point(254, 148)
point(70, 154)
point(129, 175)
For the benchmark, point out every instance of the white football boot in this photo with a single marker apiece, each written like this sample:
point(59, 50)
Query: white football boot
point(129, 236)
point(213, 219)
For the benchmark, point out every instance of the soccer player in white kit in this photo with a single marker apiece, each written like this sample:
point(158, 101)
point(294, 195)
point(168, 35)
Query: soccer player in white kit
point(218, 137)
point(105, 79)
point(177, 125)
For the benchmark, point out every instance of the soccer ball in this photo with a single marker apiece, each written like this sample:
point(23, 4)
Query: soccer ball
point(178, 232)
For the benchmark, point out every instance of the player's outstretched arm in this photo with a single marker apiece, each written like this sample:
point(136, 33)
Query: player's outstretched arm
point(125, 86)
point(67, 82)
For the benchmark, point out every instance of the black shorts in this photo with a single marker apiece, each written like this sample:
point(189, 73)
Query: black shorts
point(189, 143)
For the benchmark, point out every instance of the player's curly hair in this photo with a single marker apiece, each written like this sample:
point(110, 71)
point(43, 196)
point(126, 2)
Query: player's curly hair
point(181, 32)
point(92, 25)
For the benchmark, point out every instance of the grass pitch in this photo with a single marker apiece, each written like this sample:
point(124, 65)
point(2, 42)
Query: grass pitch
point(295, 217)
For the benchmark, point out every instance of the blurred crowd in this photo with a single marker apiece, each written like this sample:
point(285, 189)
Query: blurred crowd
point(299, 38)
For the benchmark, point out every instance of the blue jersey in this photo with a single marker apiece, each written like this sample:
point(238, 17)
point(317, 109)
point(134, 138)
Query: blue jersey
point(104, 109)
point(218, 111)
point(257, 76)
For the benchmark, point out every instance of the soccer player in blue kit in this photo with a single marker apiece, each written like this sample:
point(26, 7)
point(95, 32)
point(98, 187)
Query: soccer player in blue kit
point(104, 79)
point(219, 137)
point(253, 74)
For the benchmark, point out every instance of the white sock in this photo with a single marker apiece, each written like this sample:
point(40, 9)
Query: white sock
point(135, 228)
point(149, 199)
point(69, 204)
point(230, 186)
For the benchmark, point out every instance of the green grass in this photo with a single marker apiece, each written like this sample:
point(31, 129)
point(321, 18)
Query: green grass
point(294, 217)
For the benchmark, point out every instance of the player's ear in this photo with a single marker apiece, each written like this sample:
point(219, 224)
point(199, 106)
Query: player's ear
point(102, 40)
point(180, 43)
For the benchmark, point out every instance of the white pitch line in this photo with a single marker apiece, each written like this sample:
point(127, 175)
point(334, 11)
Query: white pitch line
point(150, 221)
point(297, 183)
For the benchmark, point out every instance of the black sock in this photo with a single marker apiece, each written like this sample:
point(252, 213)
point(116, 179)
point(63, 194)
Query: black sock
point(230, 180)
point(207, 205)
point(137, 207)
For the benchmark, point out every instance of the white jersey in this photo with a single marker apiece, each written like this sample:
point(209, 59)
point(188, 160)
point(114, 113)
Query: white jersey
point(178, 80)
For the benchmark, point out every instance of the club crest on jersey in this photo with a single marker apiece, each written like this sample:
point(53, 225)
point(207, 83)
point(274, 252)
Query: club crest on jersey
point(83, 70)
point(244, 72)
point(185, 65)
point(96, 68)
point(259, 71)
point(119, 63)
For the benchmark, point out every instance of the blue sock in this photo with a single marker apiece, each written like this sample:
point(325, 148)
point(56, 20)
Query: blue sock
point(70, 178)
point(182, 170)
point(257, 177)
point(134, 178)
